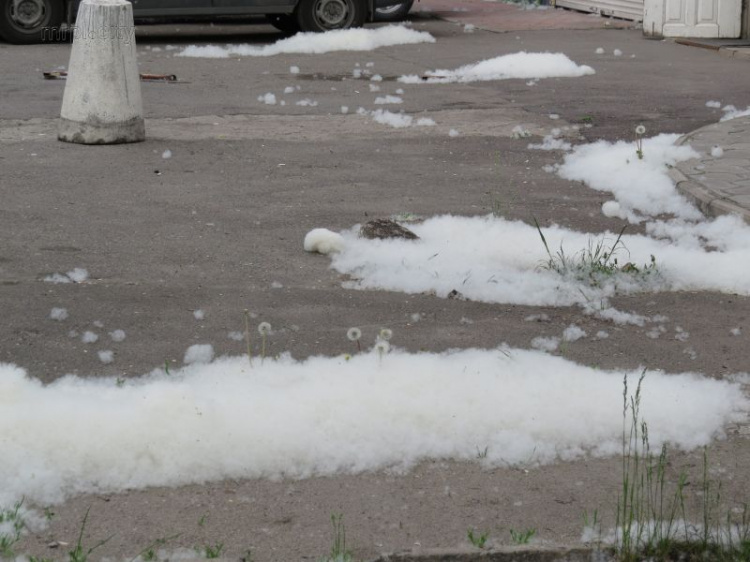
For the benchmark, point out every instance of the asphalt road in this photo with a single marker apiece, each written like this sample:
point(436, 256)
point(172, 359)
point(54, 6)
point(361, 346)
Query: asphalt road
point(219, 227)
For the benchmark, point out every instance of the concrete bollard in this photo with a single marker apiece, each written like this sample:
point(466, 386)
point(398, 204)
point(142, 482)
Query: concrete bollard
point(102, 99)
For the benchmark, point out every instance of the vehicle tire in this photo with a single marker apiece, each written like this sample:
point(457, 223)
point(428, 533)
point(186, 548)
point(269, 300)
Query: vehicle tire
point(30, 21)
point(286, 23)
point(396, 12)
point(325, 15)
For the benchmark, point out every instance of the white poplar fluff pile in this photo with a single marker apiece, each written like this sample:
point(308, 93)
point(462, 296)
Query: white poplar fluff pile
point(329, 415)
point(317, 43)
point(496, 260)
point(517, 65)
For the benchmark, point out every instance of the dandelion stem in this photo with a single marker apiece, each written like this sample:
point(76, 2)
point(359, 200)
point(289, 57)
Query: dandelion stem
point(247, 337)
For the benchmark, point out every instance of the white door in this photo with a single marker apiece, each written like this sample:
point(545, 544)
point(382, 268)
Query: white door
point(692, 18)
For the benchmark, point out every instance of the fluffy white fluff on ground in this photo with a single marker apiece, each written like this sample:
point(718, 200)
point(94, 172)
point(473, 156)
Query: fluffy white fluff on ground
point(199, 353)
point(89, 337)
point(495, 260)
point(396, 120)
point(517, 65)
point(267, 98)
point(551, 142)
point(641, 187)
point(106, 356)
point(323, 241)
point(381, 100)
point(117, 335)
point(731, 112)
point(330, 415)
point(317, 43)
point(76, 275)
point(58, 314)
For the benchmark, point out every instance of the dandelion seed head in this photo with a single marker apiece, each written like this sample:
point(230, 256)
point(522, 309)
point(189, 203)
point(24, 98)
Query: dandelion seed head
point(354, 334)
point(382, 347)
point(386, 334)
point(264, 328)
point(640, 130)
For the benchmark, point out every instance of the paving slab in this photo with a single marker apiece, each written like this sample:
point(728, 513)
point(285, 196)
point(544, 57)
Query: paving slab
point(718, 184)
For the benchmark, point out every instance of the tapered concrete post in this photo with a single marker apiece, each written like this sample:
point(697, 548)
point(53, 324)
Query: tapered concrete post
point(102, 100)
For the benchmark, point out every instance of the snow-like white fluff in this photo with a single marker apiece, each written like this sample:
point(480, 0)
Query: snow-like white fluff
point(545, 343)
point(491, 259)
point(717, 151)
point(199, 353)
point(307, 102)
point(58, 314)
point(713, 104)
point(613, 209)
point(76, 275)
point(317, 43)
point(323, 241)
point(89, 337)
point(106, 356)
point(640, 186)
point(731, 112)
point(117, 335)
point(267, 98)
point(329, 415)
point(573, 333)
point(551, 142)
point(199, 314)
point(517, 65)
point(396, 120)
point(382, 100)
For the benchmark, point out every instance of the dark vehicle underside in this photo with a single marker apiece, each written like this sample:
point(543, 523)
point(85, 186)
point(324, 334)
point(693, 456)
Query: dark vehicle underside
point(34, 21)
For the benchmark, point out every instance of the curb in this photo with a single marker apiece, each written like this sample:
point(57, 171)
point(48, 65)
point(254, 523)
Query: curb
point(735, 52)
point(710, 202)
point(502, 554)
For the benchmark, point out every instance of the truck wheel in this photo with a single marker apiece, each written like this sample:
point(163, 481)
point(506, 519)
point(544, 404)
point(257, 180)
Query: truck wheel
point(396, 12)
point(284, 22)
point(30, 21)
point(325, 15)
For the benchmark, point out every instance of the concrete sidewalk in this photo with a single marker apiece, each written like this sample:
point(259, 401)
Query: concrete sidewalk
point(718, 184)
